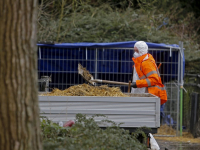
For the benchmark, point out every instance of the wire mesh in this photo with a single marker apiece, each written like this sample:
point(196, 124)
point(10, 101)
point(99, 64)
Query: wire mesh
point(114, 64)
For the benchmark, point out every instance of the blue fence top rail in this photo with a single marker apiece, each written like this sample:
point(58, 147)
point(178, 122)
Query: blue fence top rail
point(128, 44)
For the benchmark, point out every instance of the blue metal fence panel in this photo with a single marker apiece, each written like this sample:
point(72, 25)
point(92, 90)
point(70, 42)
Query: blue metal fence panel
point(108, 63)
point(113, 64)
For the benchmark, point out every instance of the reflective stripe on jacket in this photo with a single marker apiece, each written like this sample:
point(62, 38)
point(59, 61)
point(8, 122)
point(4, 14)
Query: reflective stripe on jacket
point(150, 76)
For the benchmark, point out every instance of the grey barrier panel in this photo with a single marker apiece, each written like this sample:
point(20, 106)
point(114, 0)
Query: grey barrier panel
point(131, 111)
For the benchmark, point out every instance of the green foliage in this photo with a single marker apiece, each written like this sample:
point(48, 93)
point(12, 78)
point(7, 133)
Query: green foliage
point(101, 24)
point(85, 134)
point(119, 20)
point(181, 24)
point(52, 131)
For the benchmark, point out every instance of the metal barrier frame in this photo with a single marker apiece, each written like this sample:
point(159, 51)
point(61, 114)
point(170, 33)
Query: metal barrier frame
point(174, 84)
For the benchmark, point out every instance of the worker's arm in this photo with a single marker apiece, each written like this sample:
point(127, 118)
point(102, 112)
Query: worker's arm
point(150, 70)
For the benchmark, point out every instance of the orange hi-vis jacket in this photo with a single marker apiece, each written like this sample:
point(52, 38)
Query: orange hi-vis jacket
point(149, 76)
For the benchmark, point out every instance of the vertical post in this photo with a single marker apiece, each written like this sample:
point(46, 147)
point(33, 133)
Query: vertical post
point(103, 56)
point(181, 88)
point(177, 117)
point(181, 109)
point(40, 53)
point(96, 65)
point(86, 53)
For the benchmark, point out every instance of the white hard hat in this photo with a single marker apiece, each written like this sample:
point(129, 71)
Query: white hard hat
point(142, 47)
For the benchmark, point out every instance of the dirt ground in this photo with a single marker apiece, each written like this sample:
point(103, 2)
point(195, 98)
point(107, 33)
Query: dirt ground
point(167, 133)
point(185, 142)
point(173, 145)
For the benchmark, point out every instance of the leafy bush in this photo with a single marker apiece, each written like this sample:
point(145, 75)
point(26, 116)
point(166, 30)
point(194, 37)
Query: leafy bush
point(85, 134)
point(104, 23)
point(119, 20)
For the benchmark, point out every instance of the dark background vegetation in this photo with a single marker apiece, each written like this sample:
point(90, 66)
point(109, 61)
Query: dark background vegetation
point(156, 21)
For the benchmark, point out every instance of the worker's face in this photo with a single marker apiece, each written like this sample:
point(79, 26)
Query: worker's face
point(136, 50)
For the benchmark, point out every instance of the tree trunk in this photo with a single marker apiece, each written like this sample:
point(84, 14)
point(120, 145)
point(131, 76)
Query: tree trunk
point(19, 111)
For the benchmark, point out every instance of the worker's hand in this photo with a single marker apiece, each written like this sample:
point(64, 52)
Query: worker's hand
point(134, 85)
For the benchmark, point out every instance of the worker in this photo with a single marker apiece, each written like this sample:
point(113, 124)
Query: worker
point(146, 77)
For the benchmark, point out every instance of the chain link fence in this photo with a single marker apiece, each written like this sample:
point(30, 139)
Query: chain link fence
point(113, 64)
